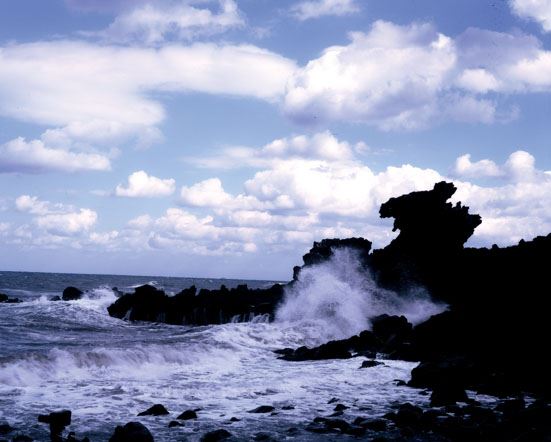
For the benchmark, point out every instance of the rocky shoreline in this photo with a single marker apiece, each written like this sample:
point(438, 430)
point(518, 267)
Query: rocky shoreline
point(492, 339)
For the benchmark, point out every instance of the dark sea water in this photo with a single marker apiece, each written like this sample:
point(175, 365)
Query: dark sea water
point(73, 355)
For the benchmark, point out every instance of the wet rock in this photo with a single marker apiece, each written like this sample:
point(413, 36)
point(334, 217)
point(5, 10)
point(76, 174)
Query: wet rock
point(22, 438)
point(262, 409)
point(370, 364)
point(288, 407)
point(187, 415)
point(373, 424)
point(337, 413)
point(193, 307)
point(409, 416)
point(132, 432)
point(234, 419)
point(173, 424)
point(333, 400)
point(6, 299)
point(6, 428)
point(216, 435)
point(71, 294)
point(71, 437)
point(155, 410)
point(57, 421)
point(55, 298)
point(263, 437)
point(340, 407)
point(447, 394)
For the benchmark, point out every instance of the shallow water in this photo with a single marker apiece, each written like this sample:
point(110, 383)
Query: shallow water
point(72, 355)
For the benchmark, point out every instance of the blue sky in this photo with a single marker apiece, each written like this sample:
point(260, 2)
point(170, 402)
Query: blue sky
point(220, 138)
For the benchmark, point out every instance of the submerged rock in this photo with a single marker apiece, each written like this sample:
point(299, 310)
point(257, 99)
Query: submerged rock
point(216, 435)
point(155, 410)
point(187, 415)
point(132, 432)
point(262, 409)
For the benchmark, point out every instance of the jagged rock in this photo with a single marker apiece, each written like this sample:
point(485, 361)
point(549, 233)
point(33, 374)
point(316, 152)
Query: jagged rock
point(132, 432)
point(192, 307)
point(57, 420)
point(187, 415)
point(216, 435)
point(71, 294)
point(262, 409)
point(155, 410)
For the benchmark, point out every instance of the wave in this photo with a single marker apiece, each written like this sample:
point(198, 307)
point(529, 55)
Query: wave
point(341, 297)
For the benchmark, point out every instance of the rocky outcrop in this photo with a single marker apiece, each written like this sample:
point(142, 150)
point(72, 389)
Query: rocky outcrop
point(197, 307)
point(6, 299)
point(71, 294)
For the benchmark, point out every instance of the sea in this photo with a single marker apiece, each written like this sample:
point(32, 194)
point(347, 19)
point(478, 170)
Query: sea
point(73, 355)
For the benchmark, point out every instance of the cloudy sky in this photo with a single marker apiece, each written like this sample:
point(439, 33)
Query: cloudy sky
point(220, 138)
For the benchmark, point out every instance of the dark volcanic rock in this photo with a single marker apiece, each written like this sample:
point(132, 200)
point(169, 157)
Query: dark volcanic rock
point(5, 429)
point(132, 432)
point(155, 410)
point(6, 299)
point(370, 364)
point(71, 294)
point(216, 435)
point(192, 307)
point(187, 415)
point(447, 394)
point(173, 424)
point(262, 409)
point(57, 420)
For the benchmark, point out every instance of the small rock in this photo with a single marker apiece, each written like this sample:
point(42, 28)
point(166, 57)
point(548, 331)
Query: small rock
point(370, 364)
point(288, 407)
point(337, 413)
point(172, 424)
point(155, 410)
point(333, 400)
point(216, 435)
point(234, 419)
point(187, 415)
point(263, 436)
point(55, 298)
point(132, 432)
point(340, 407)
point(262, 409)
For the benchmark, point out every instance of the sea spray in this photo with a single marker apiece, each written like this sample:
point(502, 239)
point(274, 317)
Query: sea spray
point(341, 296)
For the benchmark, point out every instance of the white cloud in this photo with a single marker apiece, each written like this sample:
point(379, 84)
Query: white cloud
point(153, 23)
point(538, 10)
point(520, 166)
point(140, 184)
point(208, 193)
point(321, 145)
point(34, 156)
point(66, 224)
point(95, 93)
point(410, 77)
point(306, 10)
point(34, 206)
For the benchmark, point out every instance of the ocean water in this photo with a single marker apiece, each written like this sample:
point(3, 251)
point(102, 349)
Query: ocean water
point(73, 355)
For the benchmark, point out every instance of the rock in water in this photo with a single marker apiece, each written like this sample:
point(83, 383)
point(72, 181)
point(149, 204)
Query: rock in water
point(187, 415)
point(57, 420)
point(262, 409)
point(71, 294)
point(216, 435)
point(155, 410)
point(132, 432)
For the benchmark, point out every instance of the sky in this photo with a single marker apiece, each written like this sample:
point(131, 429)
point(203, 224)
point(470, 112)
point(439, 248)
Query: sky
point(220, 138)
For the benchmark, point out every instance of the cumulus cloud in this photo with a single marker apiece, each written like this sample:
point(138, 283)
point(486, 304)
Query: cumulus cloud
point(520, 166)
point(321, 145)
point(55, 218)
point(537, 10)
point(306, 10)
point(20, 155)
point(95, 93)
point(152, 23)
point(140, 184)
point(412, 76)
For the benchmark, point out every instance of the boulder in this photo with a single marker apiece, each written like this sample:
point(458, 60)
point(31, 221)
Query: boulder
point(132, 432)
point(71, 294)
point(57, 421)
point(216, 435)
point(187, 415)
point(155, 410)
